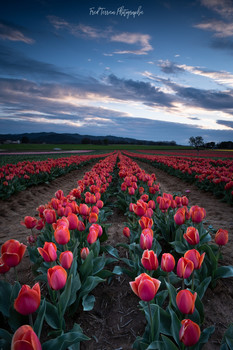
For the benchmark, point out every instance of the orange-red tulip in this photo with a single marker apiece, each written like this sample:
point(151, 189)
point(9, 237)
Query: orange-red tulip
point(185, 301)
point(84, 210)
point(57, 276)
point(140, 208)
point(49, 215)
point(25, 339)
point(28, 299)
point(81, 226)
point(93, 217)
point(180, 216)
point(146, 240)
point(221, 237)
point(145, 287)
point(189, 332)
point(66, 259)
point(167, 262)
point(12, 252)
point(192, 235)
point(48, 252)
point(98, 228)
point(195, 257)
point(62, 235)
point(184, 267)
point(92, 235)
point(149, 260)
point(145, 222)
point(197, 214)
point(73, 221)
point(3, 267)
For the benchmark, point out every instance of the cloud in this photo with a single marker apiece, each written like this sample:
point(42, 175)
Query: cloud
point(228, 123)
point(222, 44)
point(224, 7)
point(222, 29)
point(11, 32)
point(169, 67)
point(133, 38)
point(90, 32)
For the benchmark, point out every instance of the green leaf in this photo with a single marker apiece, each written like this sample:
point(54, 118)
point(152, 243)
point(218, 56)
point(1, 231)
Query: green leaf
point(63, 341)
point(156, 345)
point(5, 300)
point(75, 286)
point(40, 319)
point(227, 340)
point(205, 334)
point(172, 293)
point(201, 289)
point(51, 316)
point(65, 296)
point(169, 345)
point(165, 322)
point(98, 264)
point(112, 251)
point(90, 283)
point(86, 267)
point(175, 325)
point(88, 302)
point(6, 336)
point(224, 272)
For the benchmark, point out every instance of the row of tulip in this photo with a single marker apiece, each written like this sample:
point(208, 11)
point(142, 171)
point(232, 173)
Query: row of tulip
point(68, 261)
point(162, 224)
point(191, 153)
point(17, 177)
point(214, 175)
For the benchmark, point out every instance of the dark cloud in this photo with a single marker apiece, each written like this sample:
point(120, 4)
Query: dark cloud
point(228, 123)
point(223, 44)
point(169, 67)
point(10, 31)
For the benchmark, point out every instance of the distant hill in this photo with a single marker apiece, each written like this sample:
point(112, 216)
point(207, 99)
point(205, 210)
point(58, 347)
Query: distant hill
point(55, 138)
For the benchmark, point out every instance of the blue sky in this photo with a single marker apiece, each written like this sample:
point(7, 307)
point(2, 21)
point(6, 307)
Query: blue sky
point(157, 70)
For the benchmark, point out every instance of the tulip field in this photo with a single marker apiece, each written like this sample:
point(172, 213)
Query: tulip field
point(114, 259)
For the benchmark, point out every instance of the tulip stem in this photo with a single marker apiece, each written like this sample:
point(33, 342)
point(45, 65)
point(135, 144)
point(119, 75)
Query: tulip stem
point(151, 322)
point(183, 283)
point(168, 278)
point(30, 320)
point(192, 281)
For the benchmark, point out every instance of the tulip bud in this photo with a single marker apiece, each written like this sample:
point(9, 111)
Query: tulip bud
point(29, 222)
point(221, 237)
point(62, 235)
point(84, 253)
point(149, 260)
point(57, 276)
point(66, 259)
point(25, 338)
point(192, 235)
point(146, 240)
point(73, 221)
point(12, 252)
point(184, 267)
point(185, 301)
point(167, 262)
point(189, 333)
point(28, 299)
point(126, 232)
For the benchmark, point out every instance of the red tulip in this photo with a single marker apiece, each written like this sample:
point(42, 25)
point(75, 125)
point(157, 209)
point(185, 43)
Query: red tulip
point(29, 222)
point(184, 267)
point(73, 221)
point(197, 214)
point(99, 204)
point(167, 262)
point(126, 232)
point(57, 276)
point(145, 287)
point(66, 259)
point(81, 226)
point(28, 299)
point(180, 216)
point(84, 209)
point(185, 301)
point(195, 257)
point(49, 215)
point(149, 260)
point(192, 235)
point(189, 333)
point(184, 201)
point(84, 253)
point(221, 237)
point(146, 240)
point(140, 208)
point(145, 222)
point(62, 235)
point(25, 339)
point(92, 235)
point(48, 252)
point(93, 217)
point(131, 191)
point(12, 252)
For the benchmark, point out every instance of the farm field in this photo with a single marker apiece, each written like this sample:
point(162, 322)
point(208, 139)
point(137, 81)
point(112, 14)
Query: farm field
point(116, 320)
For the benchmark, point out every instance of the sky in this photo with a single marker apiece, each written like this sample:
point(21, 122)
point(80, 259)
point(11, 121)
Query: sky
point(157, 70)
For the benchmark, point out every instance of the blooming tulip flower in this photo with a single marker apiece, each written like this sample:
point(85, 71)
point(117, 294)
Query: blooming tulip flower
point(179, 216)
point(12, 252)
point(66, 259)
point(28, 299)
point(192, 235)
point(99, 204)
point(149, 260)
point(84, 253)
point(29, 222)
point(195, 257)
point(184, 201)
point(48, 252)
point(145, 222)
point(57, 276)
point(167, 262)
point(145, 287)
point(197, 214)
point(126, 232)
point(62, 235)
point(140, 208)
point(221, 237)
point(92, 235)
point(84, 210)
point(25, 339)
point(184, 267)
point(185, 301)
point(97, 227)
point(93, 217)
point(189, 332)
